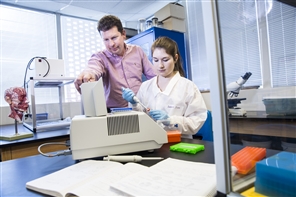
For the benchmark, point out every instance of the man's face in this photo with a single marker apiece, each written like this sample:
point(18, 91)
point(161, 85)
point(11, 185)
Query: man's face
point(114, 40)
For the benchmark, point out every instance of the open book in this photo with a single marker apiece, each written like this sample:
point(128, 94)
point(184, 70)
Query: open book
point(87, 178)
point(170, 177)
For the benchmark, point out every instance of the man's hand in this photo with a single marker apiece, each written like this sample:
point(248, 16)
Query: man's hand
point(84, 77)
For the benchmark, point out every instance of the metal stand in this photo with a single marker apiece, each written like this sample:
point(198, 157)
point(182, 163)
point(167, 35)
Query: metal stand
point(46, 83)
point(17, 135)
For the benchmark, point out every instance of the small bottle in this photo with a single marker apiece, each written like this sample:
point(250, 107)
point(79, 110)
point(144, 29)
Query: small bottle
point(154, 21)
point(148, 24)
point(172, 127)
point(141, 25)
point(166, 125)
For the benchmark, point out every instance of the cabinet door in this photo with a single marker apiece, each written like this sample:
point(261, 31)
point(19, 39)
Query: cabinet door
point(144, 40)
point(179, 38)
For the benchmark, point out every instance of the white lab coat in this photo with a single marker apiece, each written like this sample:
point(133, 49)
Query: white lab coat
point(181, 100)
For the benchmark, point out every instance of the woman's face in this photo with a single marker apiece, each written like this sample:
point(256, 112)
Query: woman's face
point(164, 62)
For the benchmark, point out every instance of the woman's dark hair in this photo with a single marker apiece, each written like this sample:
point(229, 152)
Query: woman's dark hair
point(171, 48)
point(108, 22)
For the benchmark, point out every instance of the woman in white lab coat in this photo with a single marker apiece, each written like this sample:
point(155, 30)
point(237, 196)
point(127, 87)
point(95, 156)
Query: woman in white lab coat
point(171, 98)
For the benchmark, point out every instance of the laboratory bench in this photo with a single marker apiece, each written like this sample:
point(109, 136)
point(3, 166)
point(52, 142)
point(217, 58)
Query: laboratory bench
point(16, 173)
point(29, 146)
point(259, 123)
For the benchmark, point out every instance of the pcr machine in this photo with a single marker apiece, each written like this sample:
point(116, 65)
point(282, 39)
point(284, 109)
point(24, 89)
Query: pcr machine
point(98, 133)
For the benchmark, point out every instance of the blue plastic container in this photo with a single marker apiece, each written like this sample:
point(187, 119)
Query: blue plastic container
point(276, 175)
point(280, 105)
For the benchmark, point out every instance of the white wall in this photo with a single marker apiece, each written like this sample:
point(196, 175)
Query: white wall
point(69, 110)
point(254, 97)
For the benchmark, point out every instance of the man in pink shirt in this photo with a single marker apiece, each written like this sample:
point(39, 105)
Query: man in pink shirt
point(119, 65)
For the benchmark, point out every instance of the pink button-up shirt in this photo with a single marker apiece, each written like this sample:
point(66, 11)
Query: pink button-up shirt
point(117, 72)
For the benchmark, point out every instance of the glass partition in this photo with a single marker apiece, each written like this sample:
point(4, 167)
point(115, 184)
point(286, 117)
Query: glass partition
point(254, 73)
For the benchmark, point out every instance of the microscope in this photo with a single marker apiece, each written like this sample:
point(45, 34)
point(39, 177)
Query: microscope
point(233, 89)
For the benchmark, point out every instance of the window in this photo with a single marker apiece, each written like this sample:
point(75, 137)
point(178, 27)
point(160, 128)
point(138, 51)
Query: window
point(80, 39)
point(196, 43)
point(242, 28)
point(240, 41)
point(282, 39)
point(24, 35)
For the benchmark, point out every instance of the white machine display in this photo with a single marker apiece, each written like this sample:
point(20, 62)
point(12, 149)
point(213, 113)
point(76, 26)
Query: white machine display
point(49, 68)
point(98, 133)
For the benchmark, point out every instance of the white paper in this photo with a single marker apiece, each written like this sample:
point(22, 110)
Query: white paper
point(171, 177)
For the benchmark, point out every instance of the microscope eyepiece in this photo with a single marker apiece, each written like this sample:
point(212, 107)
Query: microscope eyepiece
point(247, 75)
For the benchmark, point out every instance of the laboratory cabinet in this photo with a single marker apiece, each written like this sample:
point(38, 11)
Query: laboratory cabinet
point(145, 40)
